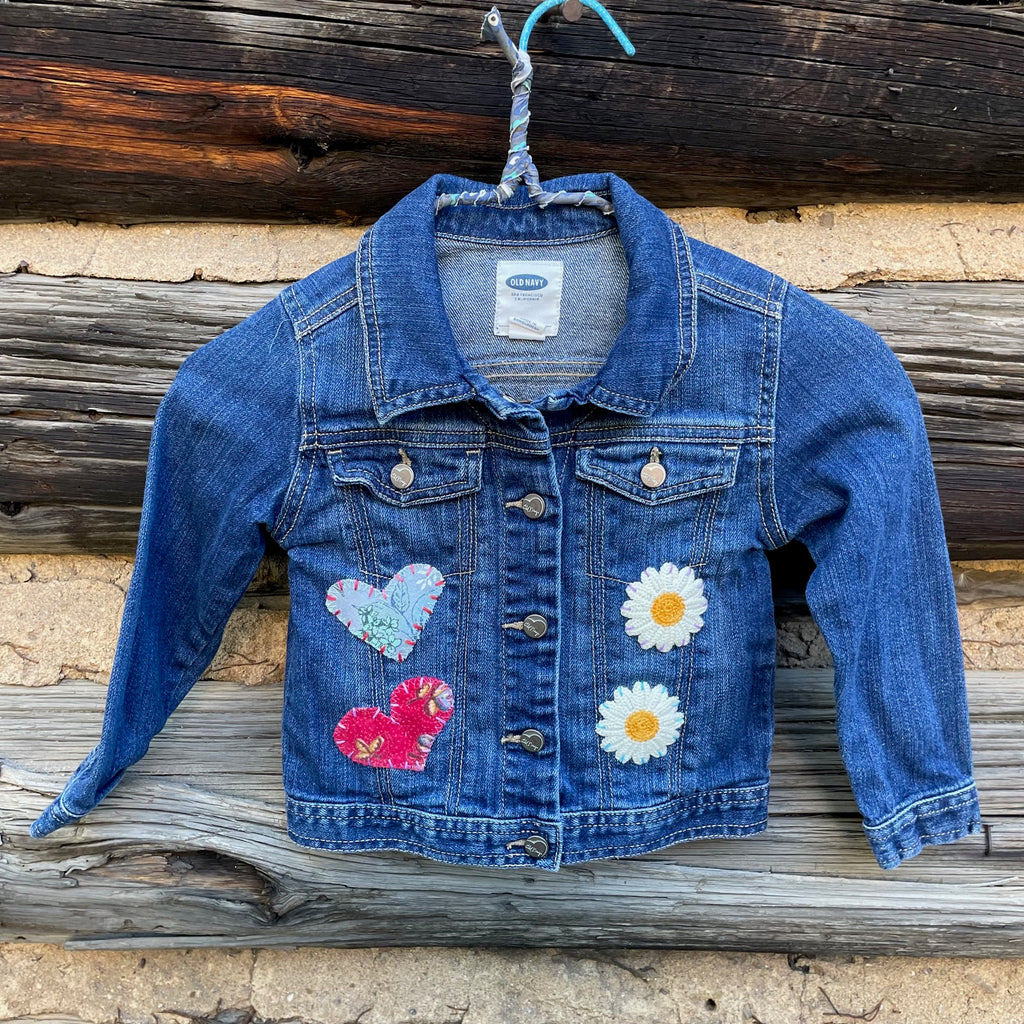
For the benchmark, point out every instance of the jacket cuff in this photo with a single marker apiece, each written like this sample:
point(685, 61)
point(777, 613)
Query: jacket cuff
point(53, 818)
point(937, 819)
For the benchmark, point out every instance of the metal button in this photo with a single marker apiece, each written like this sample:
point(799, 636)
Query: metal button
point(536, 846)
point(535, 626)
point(531, 740)
point(653, 474)
point(533, 505)
point(402, 476)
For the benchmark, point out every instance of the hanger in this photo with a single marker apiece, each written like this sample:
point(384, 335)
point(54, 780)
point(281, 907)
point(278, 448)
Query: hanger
point(520, 166)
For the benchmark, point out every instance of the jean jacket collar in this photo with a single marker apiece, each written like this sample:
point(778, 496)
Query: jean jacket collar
point(411, 355)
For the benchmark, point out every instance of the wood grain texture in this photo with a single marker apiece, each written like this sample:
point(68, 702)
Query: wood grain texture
point(331, 111)
point(84, 363)
point(191, 850)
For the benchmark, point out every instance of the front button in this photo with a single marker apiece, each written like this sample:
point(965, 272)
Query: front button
point(531, 740)
point(402, 476)
point(653, 474)
point(535, 626)
point(533, 505)
point(536, 846)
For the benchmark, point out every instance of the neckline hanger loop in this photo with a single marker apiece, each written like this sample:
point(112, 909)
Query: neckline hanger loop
point(519, 166)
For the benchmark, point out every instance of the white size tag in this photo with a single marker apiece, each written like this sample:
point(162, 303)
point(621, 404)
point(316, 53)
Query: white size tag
point(528, 299)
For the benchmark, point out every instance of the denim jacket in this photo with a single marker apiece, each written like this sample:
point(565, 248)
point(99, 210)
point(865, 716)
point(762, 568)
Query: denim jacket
point(526, 464)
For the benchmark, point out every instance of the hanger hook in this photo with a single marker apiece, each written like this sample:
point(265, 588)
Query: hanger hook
point(524, 36)
point(519, 167)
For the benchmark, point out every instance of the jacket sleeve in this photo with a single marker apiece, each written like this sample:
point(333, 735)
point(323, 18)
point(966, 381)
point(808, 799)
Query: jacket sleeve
point(221, 457)
point(853, 480)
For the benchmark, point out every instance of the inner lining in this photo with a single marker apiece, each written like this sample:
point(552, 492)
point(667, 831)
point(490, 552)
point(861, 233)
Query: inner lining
point(595, 281)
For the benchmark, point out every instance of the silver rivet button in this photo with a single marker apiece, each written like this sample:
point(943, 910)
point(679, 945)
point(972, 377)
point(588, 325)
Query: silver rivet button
point(536, 846)
point(533, 505)
point(653, 474)
point(402, 476)
point(535, 626)
point(531, 740)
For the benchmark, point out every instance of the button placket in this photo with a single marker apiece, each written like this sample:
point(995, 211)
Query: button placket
point(531, 522)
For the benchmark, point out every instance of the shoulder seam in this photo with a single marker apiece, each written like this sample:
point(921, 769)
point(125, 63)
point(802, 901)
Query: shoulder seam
point(731, 293)
point(334, 307)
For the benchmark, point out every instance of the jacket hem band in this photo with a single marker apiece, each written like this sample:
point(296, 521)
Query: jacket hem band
point(499, 842)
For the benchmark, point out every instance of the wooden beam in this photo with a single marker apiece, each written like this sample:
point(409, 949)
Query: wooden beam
point(191, 850)
point(84, 363)
point(331, 111)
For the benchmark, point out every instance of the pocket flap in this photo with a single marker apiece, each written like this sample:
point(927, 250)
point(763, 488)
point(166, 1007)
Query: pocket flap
point(691, 467)
point(438, 472)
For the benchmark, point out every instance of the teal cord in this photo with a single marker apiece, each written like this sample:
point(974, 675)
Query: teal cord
point(524, 36)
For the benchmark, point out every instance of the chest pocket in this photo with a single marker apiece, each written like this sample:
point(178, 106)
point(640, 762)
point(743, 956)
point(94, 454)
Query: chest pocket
point(407, 503)
point(633, 525)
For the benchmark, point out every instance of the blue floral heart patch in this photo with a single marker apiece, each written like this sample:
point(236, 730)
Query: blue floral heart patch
point(389, 619)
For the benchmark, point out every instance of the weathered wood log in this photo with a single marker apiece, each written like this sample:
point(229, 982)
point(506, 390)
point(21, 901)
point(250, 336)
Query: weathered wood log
point(84, 363)
point(144, 111)
point(191, 849)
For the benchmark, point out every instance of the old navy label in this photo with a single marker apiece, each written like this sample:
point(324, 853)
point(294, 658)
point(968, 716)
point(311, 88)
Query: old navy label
point(528, 298)
point(526, 283)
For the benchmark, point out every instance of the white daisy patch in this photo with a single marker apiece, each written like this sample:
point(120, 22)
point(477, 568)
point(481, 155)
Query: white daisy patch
point(639, 723)
point(665, 607)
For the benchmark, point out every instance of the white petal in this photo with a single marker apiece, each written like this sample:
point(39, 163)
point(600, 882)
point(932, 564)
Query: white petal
point(665, 705)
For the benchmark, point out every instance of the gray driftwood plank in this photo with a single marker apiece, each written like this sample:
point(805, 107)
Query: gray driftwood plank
point(84, 363)
point(191, 850)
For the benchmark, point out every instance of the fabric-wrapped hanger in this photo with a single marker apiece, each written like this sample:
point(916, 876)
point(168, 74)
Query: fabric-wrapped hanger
point(520, 166)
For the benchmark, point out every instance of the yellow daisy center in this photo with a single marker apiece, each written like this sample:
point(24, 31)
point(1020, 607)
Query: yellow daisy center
point(642, 725)
point(667, 608)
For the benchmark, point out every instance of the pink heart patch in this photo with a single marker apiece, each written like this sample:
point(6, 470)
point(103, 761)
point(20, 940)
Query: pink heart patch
point(419, 708)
